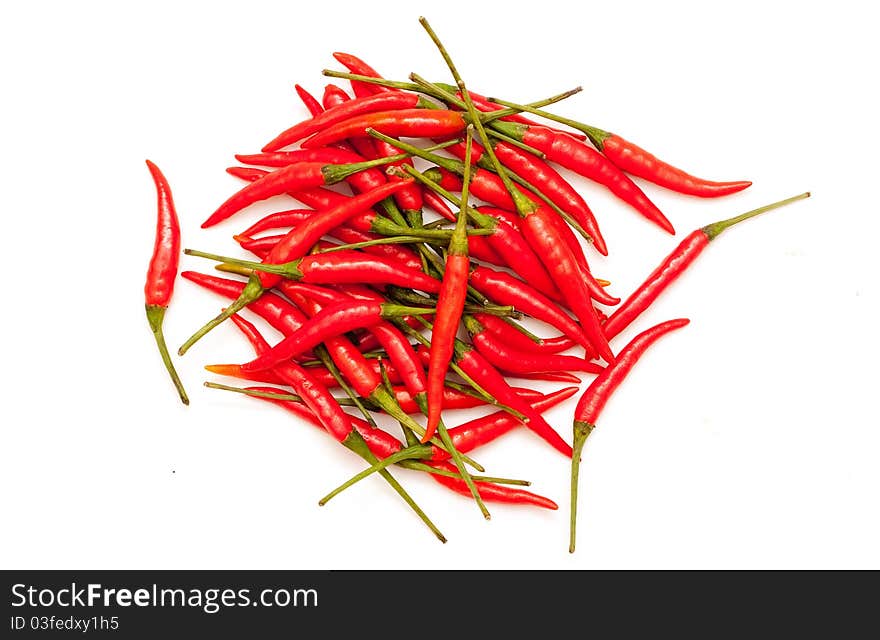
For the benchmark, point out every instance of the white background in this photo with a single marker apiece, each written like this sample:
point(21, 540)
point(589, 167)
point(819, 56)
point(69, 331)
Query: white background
point(748, 439)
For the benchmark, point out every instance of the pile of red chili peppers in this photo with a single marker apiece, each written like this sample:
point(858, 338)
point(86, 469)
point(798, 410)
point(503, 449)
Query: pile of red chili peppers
point(371, 295)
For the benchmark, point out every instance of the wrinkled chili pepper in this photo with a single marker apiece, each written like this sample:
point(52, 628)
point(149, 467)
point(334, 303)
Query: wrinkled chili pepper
point(162, 270)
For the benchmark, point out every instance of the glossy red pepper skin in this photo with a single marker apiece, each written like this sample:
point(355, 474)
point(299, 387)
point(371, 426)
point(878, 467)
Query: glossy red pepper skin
point(162, 270)
point(297, 242)
point(594, 398)
point(479, 247)
point(334, 96)
point(482, 103)
point(665, 274)
point(492, 492)
point(546, 179)
point(353, 267)
point(359, 67)
point(404, 123)
point(586, 161)
point(383, 103)
point(502, 288)
point(450, 303)
point(478, 368)
point(638, 162)
point(309, 101)
point(479, 431)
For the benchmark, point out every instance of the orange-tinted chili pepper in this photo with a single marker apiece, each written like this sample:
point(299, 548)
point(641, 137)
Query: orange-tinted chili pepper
point(162, 270)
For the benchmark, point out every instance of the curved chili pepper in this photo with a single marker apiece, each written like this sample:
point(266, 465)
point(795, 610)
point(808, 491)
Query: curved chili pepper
point(673, 266)
point(513, 361)
point(594, 398)
point(382, 444)
point(492, 492)
point(334, 320)
point(274, 309)
point(311, 103)
point(502, 288)
point(361, 68)
point(479, 431)
point(295, 177)
point(335, 96)
point(552, 376)
point(162, 270)
point(383, 103)
point(403, 123)
point(516, 339)
point(450, 304)
point(541, 233)
point(586, 161)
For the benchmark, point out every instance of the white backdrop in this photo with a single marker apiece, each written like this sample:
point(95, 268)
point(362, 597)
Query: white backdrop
point(748, 439)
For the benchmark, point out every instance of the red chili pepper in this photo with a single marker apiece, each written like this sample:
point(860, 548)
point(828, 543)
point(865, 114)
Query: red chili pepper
point(357, 66)
point(479, 247)
point(335, 96)
point(383, 444)
point(331, 321)
point(492, 492)
point(320, 373)
point(482, 103)
point(502, 288)
point(479, 431)
point(295, 177)
point(673, 266)
point(383, 103)
point(274, 309)
point(594, 398)
point(409, 199)
point(545, 178)
point(311, 103)
point(162, 270)
point(403, 123)
point(541, 233)
point(513, 361)
point(586, 161)
point(295, 244)
point(480, 370)
point(516, 339)
point(450, 304)
point(552, 376)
